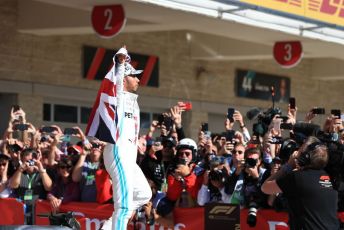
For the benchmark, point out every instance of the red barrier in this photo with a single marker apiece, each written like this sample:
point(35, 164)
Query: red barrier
point(91, 215)
point(12, 212)
point(193, 219)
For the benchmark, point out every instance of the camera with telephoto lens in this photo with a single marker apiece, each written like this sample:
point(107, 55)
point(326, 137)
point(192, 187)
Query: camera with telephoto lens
point(252, 214)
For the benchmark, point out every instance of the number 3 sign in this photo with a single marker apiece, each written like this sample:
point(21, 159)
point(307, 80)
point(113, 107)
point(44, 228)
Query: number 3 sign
point(108, 21)
point(288, 54)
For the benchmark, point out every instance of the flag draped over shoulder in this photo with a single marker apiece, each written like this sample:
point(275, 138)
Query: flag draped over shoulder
point(102, 123)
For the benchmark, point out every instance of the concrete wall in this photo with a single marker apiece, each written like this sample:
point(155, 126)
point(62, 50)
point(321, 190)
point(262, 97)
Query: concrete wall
point(57, 61)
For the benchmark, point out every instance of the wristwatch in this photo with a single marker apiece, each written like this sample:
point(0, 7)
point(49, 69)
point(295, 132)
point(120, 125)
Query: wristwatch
point(43, 171)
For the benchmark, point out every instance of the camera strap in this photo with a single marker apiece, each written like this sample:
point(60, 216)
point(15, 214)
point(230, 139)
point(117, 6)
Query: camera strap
point(29, 192)
point(30, 180)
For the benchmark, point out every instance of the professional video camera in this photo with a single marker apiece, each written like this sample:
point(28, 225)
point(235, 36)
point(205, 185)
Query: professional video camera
point(263, 119)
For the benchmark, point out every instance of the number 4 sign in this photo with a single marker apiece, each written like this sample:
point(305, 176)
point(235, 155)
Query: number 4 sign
point(288, 54)
point(108, 20)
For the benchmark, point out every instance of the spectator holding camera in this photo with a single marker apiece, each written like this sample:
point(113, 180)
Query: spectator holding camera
point(254, 176)
point(214, 182)
point(30, 181)
point(85, 169)
point(12, 148)
point(236, 179)
point(152, 165)
point(237, 117)
point(308, 189)
point(17, 119)
point(238, 161)
point(246, 184)
point(181, 178)
point(183, 184)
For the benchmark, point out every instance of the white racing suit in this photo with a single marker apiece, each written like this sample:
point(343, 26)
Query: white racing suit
point(130, 187)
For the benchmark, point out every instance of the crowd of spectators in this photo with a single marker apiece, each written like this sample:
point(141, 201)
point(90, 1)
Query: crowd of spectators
point(228, 167)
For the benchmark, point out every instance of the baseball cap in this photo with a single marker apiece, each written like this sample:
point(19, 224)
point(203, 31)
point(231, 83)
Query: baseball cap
point(130, 70)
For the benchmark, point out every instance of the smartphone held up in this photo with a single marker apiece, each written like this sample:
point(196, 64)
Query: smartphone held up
point(230, 113)
point(292, 103)
point(185, 106)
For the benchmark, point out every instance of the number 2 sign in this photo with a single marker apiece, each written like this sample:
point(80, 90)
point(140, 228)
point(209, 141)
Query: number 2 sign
point(288, 54)
point(108, 20)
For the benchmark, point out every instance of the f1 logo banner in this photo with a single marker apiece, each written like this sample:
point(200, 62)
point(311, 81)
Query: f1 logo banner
point(97, 61)
point(222, 216)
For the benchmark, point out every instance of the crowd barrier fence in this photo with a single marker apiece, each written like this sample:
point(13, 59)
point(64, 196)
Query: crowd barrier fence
point(91, 216)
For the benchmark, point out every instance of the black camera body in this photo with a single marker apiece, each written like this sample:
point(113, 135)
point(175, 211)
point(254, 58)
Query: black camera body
point(70, 131)
point(217, 175)
point(250, 162)
point(268, 115)
point(14, 148)
point(21, 127)
point(276, 140)
point(168, 142)
point(318, 110)
point(264, 120)
point(165, 120)
point(287, 148)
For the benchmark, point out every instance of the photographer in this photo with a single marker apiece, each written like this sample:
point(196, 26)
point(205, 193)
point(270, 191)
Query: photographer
point(308, 189)
point(152, 166)
point(30, 181)
point(247, 184)
point(181, 177)
point(254, 176)
point(84, 171)
point(214, 182)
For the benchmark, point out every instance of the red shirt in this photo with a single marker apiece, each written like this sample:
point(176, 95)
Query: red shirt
point(175, 187)
point(103, 185)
